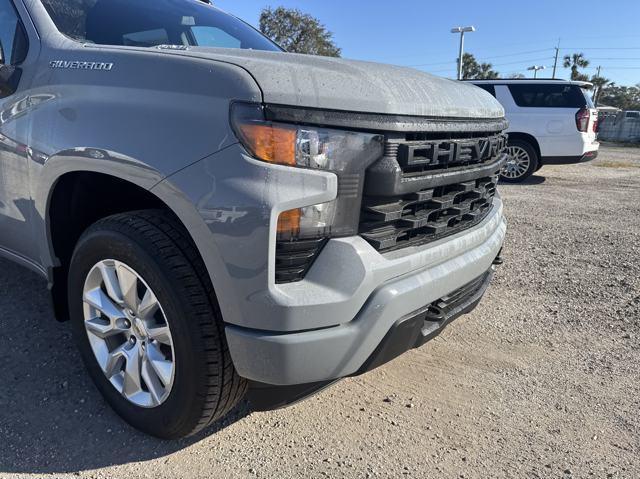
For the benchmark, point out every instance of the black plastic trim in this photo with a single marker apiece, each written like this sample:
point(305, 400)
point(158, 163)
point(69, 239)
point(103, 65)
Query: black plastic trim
point(294, 258)
point(569, 160)
point(419, 327)
point(267, 397)
point(380, 122)
point(396, 183)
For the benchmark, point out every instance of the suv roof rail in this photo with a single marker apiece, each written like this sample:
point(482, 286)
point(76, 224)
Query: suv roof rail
point(580, 83)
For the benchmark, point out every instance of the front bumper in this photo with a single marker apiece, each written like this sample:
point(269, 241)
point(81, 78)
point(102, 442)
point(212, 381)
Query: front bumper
point(407, 333)
point(410, 281)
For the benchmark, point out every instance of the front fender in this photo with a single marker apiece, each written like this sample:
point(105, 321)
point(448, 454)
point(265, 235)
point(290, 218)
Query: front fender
point(76, 160)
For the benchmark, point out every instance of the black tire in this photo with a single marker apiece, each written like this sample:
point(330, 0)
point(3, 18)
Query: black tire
point(206, 385)
point(534, 161)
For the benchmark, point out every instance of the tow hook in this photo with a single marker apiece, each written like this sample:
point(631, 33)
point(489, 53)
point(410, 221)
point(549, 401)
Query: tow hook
point(498, 260)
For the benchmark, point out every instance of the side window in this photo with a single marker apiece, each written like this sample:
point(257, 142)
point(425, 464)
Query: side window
point(13, 40)
point(487, 87)
point(530, 95)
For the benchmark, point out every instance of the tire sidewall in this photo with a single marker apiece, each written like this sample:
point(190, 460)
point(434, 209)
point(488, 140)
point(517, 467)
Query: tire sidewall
point(173, 413)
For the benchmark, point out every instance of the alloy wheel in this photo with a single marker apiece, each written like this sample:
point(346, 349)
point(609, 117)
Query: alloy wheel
point(517, 164)
point(129, 333)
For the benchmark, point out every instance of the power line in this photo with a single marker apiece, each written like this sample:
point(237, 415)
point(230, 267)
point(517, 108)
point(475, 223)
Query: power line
point(523, 61)
point(431, 64)
point(607, 67)
point(614, 58)
point(485, 58)
point(517, 53)
point(506, 55)
point(600, 48)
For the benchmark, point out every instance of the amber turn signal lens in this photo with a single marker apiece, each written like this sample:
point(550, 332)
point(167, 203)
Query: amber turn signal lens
point(289, 222)
point(271, 143)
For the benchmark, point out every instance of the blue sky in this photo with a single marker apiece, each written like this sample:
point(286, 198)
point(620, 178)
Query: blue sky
point(510, 34)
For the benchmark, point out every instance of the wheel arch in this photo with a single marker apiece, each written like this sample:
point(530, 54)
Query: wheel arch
point(78, 197)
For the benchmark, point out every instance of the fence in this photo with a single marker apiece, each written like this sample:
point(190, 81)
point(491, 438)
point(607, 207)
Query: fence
point(619, 128)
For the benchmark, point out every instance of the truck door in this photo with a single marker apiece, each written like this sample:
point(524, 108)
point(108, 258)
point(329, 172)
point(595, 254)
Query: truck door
point(15, 200)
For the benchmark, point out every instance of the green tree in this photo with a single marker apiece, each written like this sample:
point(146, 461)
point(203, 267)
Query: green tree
point(623, 97)
point(472, 70)
point(297, 32)
point(575, 62)
point(599, 84)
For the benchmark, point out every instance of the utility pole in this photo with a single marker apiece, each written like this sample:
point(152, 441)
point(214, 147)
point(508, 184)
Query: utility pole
point(461, 31)
point(555, 63)
point(596, 90)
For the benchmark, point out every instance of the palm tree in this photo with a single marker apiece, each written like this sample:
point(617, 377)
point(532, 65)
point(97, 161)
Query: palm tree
point(575, 61)
point(599, 84)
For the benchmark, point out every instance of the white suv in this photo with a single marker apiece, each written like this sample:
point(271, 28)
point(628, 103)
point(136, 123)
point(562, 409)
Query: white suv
point(550, 122)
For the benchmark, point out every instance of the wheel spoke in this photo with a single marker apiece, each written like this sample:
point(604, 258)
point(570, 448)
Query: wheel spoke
point(110, 281)
point(148, 306)
point(160, 334)
point(129, 286)
point(154, 385)
point(162, 367)
point(97, 299)
point(114, 361)
point(132, 380)
point(103, 328)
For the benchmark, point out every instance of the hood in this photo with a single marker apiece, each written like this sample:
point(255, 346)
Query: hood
point(337, 84)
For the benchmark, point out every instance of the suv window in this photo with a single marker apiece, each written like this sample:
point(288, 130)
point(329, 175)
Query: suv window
point(13, 39)
point(487, 87)
point(548, 96)
point(149, 23)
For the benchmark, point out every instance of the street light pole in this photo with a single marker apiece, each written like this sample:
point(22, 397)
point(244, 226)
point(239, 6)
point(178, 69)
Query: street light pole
point(535, 69)
point(461, 31)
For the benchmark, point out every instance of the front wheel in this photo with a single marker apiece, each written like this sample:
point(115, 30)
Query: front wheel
point(148, 326)
point(521, 163)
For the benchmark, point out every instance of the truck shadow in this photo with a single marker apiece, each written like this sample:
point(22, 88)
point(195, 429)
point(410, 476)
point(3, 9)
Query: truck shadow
point(52, 419)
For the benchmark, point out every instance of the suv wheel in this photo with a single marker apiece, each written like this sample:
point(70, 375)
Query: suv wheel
point(148, 326)
point(521, 163)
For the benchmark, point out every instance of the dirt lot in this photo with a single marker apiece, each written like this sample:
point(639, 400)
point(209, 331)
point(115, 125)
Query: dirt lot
point(542, 380)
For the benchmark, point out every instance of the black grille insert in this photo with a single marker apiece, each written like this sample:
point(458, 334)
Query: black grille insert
point(445, 307)
point(295, 257)
point(389, 223)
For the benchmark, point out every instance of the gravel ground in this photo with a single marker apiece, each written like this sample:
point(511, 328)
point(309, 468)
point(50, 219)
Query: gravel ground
point(541, 380)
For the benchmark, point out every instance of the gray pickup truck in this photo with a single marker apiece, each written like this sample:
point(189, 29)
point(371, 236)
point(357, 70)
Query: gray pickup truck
point(220, 219)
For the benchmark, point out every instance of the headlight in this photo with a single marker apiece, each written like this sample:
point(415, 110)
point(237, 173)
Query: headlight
point(346, 153)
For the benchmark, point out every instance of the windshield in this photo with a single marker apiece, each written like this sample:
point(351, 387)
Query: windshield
point(146, 23)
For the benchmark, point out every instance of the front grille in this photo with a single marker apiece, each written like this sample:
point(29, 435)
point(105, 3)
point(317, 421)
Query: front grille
point(426, 215)
point(427, 187)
